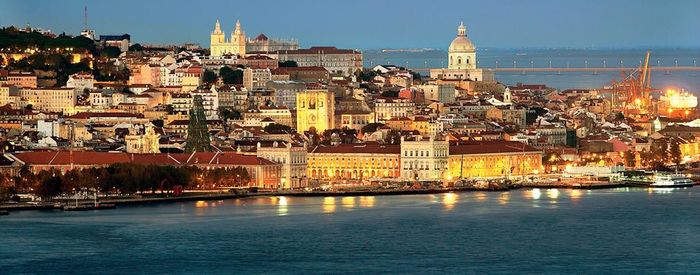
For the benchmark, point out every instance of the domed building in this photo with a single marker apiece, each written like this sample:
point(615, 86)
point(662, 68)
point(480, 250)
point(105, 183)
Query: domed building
point(462, 53)
point(461, 61)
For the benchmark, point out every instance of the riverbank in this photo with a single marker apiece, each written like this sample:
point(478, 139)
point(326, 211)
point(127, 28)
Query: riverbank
point(167, 198)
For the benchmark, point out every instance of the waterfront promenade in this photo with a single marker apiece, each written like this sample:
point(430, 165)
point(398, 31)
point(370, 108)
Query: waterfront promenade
point(223, 195)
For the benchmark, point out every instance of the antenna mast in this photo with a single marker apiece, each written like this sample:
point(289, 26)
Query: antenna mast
point(86, 17)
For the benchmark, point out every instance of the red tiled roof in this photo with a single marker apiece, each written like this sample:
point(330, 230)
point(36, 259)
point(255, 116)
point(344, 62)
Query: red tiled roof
point(489, 147)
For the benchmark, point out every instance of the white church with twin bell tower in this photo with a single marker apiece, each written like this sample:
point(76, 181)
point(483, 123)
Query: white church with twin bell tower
point(219, 46)
point(461, 61)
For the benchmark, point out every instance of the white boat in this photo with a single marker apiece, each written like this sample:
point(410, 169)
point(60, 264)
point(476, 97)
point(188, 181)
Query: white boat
point(671, 181)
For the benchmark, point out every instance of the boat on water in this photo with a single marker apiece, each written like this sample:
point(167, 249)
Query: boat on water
point(671, 181)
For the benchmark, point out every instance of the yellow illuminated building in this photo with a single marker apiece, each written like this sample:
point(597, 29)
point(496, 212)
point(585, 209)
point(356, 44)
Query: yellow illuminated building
point(315, 109)
point(354, 162)
point(219, 46)
point(493, 159)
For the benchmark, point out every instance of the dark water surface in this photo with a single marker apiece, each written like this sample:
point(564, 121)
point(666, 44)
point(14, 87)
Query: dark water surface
point(532, 231)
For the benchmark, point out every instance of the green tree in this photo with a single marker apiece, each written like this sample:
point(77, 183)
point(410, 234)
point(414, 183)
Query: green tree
point(274, 128)
point(288, 63)
point(136, 48)
point(231, 76)
point(393, 137)
point(390, 93)
point(50, 185)
point(370, 128)
point(228, 113)
point(209, 76)
point(110, 52)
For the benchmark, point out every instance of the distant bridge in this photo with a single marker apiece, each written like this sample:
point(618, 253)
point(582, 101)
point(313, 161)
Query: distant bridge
point(581, 69)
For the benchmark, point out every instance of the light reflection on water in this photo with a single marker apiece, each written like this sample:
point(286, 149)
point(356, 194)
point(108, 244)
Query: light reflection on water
point(449, 200)
point(348, 202)
point(504, 198)
point(282, 207)
point(328, 205)
point(367, 201)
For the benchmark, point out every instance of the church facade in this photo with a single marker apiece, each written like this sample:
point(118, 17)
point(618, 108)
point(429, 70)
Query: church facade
point(220, 46)
point(461, 61)
point(315, 109)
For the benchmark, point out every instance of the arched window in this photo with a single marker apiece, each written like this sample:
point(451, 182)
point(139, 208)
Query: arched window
point(459, 61)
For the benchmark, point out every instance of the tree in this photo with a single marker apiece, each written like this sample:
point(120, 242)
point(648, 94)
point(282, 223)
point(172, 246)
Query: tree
point(231, 76)
point(136, 48)
point(274, 128)
point(110, 52)
point(157, 122)
point(366, 75)
point(209, 76)
point(197, 131)
point(675, 153)
point(228, 113)
point(372, 127)
point(393, 137)
point(50, 185)
point(390, 93)
point(288, 63)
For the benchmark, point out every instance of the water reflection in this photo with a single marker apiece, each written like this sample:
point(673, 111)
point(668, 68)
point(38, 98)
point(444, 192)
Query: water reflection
point(282, 208)
point(553, 194)
point(367, 202)
point(481, 196)
point(504, 198)
point(575, 195)
point(328, 205)
point(449, 200)
point(348, 202)
point(533, 194)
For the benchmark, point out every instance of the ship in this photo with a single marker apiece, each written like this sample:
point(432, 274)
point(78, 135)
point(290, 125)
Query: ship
point(671, 181)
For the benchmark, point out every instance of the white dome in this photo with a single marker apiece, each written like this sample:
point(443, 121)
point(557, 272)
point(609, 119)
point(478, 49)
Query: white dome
point(462, 44)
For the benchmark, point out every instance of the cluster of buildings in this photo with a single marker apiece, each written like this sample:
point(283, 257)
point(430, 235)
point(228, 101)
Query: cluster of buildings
point(324, 119)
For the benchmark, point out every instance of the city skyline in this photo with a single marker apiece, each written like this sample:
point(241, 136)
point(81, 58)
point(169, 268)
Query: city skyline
point(643, 24)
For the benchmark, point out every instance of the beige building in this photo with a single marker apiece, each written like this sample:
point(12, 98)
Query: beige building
point(60, 100)
point(354, 162)
point(388, 108)
point(315, 109)
point(9, 94)
point(293, 161)
point(280, 115)
point(424, 158)
point(256, 78)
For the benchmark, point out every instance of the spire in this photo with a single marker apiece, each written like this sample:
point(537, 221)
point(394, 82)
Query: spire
point(217, 27)
point(238, 26)
point(461, 30)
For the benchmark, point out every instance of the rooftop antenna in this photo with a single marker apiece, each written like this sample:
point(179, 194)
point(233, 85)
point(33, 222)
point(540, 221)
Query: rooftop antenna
point(86, 17)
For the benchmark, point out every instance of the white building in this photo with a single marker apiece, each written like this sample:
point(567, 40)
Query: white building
point(293, 160)
point(81, 81)
point(424, 158)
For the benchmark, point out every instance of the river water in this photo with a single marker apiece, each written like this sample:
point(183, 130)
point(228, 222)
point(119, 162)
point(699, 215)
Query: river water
point(560, 58)
point(626, 230)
